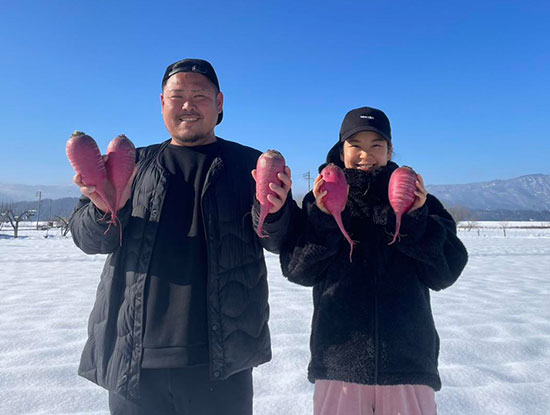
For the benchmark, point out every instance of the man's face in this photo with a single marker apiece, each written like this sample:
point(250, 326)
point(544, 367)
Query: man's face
point(190, 107)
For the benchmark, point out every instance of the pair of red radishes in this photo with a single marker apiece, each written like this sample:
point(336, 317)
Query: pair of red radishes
point(400, 190)
point(86, 159)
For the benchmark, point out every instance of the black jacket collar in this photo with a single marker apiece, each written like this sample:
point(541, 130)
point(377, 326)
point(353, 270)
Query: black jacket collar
point(368, 193)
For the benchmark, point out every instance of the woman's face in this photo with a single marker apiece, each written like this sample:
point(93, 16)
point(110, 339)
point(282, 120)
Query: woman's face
point(366, 150)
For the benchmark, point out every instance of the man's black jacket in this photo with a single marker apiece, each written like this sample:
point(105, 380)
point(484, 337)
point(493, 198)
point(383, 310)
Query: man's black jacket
point(237, 291)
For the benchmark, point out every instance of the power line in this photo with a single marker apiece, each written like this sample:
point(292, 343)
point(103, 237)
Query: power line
point(39, 194)
point(308, 177)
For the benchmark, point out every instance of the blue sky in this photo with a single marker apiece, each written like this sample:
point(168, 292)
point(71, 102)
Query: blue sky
point(466, 84)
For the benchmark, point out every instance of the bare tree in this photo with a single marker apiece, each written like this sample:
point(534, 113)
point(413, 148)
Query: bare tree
point(64, 224)
point(3, 207)
point(471, 224)
point(8, 215)
point(460, 213)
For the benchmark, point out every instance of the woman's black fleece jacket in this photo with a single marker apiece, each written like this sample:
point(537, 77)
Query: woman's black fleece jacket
point(372, 321)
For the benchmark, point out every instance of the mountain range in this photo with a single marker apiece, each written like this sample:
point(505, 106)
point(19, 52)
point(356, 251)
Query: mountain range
point(521, 198)
point(530, 192)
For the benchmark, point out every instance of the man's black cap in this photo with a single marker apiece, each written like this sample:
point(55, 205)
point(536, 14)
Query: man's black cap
point(199, 66)
point(365, 119)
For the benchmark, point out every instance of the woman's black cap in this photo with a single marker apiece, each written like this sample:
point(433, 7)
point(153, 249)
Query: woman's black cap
point(365, 119)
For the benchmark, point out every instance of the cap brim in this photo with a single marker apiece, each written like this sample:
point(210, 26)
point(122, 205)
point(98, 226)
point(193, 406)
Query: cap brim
point(363, 128)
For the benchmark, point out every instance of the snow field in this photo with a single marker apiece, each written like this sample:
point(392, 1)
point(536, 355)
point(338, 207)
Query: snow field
point(494, 325)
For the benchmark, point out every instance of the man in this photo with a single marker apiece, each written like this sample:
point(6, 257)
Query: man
point(181, 313)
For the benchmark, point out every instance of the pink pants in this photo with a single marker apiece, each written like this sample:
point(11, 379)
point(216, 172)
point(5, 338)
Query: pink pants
point(333, 397)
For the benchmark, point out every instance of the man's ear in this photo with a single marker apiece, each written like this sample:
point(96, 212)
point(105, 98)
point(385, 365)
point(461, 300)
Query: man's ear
point(219, 102)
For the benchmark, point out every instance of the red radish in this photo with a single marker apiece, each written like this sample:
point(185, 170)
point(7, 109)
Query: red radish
point(401, 194)
point(269, 165)
point(120, 165)
point(337, 195)
point(86, 160)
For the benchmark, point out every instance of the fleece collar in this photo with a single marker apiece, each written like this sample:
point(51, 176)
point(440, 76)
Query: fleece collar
point(368, 193)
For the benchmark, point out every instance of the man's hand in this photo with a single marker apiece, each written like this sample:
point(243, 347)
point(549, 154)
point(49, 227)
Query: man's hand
point(90, 191)
point(281, 192)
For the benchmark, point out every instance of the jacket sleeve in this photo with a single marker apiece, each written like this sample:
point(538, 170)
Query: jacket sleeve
point(90, 228)
point(430, 239)
point(277, 226)
point(314, 242)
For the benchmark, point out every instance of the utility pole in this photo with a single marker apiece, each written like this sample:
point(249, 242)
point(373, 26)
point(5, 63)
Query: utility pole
point(308, 177)
point(39, 194)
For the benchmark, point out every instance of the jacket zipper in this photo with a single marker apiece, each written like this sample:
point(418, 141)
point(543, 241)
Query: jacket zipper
point(207, 184)
point(376, 334)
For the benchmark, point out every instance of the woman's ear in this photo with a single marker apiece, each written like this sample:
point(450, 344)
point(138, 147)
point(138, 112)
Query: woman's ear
point(342, 152)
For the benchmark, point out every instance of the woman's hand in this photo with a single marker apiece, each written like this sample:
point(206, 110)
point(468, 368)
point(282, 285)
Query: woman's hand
point(421, 194)
point(319, 195)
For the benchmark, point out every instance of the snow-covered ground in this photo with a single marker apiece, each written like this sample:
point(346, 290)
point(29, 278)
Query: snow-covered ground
point(494, 325)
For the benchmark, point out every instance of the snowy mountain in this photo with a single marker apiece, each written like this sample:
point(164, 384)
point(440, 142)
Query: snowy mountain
point(531, 192)
point(10, 192)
